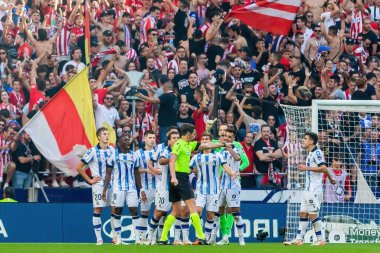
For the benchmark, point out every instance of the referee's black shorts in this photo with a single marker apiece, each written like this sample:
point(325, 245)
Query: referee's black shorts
point(183, 191)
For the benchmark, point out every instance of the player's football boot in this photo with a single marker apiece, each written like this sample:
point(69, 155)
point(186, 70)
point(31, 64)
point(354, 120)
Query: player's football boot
point(295, 242)
point(318, 243)
point(178, 242)
point(99, 242)
point(223, 242)
point(163, 242)
point(187, 242)
point(203, 242)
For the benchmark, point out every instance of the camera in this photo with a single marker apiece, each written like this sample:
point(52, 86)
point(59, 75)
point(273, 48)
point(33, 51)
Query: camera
point(134, 90)
point(261, 235)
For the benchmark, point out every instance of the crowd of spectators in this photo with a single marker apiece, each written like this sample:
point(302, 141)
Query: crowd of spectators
point(188, 53)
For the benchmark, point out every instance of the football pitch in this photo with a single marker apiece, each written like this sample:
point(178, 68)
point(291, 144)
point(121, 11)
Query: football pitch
point(249, 248)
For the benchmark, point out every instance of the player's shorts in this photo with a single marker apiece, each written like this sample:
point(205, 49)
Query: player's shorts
point(162, 201)
point(120, 197)
point(231, 197)
point(311, 202)
point(183, 190)
point(211, 201)
point(97, 191)
point(150, 195)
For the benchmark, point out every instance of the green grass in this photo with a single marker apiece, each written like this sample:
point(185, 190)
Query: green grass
point(232, 248)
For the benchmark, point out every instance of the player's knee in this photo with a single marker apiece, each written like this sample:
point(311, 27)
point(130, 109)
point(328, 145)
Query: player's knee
point(118, 210)
point(133, 211)
point(210, 215)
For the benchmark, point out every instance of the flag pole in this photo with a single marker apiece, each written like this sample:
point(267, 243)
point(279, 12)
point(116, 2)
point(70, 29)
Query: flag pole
point(87, 32)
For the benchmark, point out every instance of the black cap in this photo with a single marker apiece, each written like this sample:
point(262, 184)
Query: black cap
point(350, 41)
point(103, 14)
point(111, 12)
point(94, 44)
point(107, 33)
point(219, 72)
point(245, 49)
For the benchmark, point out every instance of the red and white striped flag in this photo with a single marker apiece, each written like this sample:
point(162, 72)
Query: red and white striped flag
point(100, 55)
point(274, 16)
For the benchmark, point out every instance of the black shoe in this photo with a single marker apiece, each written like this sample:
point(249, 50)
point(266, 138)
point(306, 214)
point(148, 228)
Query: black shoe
point(203, 242)
point(163, 242)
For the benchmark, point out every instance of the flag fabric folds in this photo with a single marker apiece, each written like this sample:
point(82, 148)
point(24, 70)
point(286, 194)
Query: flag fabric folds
point(65, 127)
point(274, 16)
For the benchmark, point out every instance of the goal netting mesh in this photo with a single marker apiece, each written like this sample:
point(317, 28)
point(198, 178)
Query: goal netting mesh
point(349, 136)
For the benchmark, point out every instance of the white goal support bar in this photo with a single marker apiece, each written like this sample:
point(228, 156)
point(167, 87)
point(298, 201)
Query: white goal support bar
point(342, 105)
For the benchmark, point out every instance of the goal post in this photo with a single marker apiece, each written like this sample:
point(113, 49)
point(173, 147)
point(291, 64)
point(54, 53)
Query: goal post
point(349, 136)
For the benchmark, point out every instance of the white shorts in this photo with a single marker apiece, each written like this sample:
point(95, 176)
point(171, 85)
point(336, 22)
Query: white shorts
point(119, 198)
point(150, 196)
point(97, 191)
point(162, 201)
point(231, 197)
point(311, 202)
point(211, 201)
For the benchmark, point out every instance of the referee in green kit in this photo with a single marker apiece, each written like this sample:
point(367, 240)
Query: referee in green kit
point(180, 188)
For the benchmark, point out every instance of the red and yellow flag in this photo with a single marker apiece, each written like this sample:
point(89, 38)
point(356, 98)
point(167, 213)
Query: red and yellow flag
point(65, 127)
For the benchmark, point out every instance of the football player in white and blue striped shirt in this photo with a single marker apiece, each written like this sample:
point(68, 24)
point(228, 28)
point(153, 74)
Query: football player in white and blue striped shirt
point(149, 181)
point(162, 195)
point(96, 158)
point(124, 167)
point(206, 164)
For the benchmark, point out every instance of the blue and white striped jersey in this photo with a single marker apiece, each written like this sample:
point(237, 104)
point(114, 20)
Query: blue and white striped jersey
point(96, 159)
point(314, 180)
point(148, 180)
point(123, 169)
point(157, 152)
point(226, 181)
point(165, 171)
point(207, 171)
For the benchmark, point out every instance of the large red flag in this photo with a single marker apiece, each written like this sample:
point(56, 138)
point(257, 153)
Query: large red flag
point(274, 16)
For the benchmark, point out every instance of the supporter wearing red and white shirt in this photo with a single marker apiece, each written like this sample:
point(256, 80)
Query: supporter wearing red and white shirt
point(350, 90)
point(149, 22)
point(36, 24)
point(180, 54)
point(5, 104)
point(143, 121)
point(357, 19)
point(17, 97)
point(5, 149)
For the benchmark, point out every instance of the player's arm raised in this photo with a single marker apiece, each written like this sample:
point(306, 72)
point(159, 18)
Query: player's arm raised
point(211, 145)
point(235, 155)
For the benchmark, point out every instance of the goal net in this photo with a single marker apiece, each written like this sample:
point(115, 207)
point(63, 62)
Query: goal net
point(349, 136)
